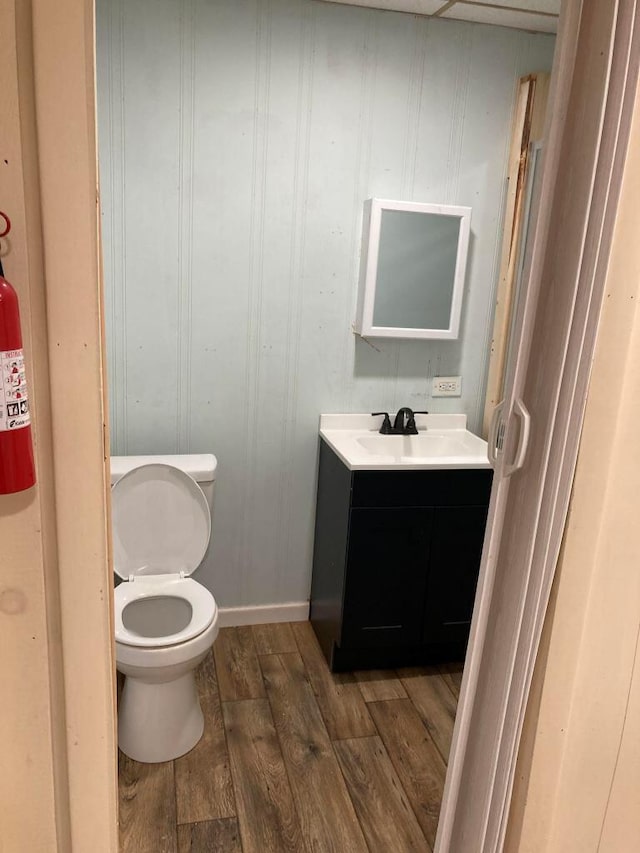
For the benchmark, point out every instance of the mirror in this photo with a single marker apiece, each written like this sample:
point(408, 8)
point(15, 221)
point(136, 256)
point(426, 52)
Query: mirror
point(412, 269)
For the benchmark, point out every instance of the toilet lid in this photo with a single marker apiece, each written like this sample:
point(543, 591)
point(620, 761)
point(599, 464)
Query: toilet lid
point(161, 522)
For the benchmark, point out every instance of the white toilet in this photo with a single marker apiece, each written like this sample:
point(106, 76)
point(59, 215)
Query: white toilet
point(165, 623)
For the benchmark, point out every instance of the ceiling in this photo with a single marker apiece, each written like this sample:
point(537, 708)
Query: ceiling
point(540, 16)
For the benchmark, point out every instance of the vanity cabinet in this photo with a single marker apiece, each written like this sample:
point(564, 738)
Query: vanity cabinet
point(396, 560)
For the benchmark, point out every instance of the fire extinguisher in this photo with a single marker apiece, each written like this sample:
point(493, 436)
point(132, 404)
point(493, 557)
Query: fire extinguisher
point(17, 469)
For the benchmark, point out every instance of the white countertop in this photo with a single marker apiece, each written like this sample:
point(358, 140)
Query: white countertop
point(443, 442)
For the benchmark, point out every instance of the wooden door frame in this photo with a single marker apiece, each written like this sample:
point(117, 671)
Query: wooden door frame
point(518, 656)
point(528, 128)
point(62, 65)
point(65, 111)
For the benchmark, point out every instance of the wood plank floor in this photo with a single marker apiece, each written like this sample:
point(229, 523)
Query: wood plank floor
point(294, 758)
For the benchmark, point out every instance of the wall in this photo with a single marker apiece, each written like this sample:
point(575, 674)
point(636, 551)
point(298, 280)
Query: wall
point(58, 786)
point(29, 611)
point(578, 773)
point(238, 141)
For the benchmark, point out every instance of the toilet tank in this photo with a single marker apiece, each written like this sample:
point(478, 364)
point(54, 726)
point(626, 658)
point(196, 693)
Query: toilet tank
point(200, 466)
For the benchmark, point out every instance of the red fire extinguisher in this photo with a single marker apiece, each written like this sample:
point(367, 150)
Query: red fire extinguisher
point(17, 470)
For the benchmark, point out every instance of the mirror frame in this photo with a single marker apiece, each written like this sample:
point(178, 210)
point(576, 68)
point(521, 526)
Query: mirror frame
point(371, 225)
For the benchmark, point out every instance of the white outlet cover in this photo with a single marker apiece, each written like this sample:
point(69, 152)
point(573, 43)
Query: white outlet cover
point(446, 386)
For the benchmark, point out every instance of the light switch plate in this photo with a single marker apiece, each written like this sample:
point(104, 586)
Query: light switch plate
point(446, 386)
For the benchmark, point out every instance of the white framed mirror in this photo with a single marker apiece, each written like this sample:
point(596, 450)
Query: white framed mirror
point(412, 269)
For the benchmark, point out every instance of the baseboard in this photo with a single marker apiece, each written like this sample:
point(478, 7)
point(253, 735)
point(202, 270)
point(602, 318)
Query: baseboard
point(291, 611)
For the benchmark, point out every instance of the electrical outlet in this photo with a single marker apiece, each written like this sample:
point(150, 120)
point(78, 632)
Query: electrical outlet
point(446, 386)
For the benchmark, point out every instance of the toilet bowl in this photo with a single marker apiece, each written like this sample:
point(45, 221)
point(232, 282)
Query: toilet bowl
point(165, 622)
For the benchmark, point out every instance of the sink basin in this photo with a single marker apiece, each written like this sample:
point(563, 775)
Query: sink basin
point(442, 442)
point(432, 444)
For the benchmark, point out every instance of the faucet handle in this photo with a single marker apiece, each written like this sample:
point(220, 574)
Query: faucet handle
point(386, 428)
point(419, 413)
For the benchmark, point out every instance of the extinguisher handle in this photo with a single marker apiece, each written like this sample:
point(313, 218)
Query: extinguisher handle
point(3, 233)
point(7, 224)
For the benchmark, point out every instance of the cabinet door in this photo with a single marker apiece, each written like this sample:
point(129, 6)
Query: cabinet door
point(386, 576)
point(454, 563)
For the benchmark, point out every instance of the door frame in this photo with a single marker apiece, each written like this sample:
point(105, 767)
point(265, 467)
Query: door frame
point(62, 61)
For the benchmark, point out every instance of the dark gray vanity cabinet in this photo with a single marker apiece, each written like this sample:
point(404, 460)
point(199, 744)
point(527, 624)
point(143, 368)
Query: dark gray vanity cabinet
point(396, 560)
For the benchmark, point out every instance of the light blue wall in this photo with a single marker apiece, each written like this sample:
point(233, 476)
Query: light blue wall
point(238, 141)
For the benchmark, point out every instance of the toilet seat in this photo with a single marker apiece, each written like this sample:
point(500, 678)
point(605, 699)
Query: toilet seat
point(203, 608)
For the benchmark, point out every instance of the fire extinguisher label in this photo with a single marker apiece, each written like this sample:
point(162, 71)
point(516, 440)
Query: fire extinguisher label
point(14, 401)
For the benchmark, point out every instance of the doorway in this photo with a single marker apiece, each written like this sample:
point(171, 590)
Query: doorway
point(231, 242)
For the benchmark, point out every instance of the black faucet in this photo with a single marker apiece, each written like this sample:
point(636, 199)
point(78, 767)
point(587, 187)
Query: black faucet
point(399, 426)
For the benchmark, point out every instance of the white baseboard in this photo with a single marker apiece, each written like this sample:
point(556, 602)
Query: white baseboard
point(291, 611)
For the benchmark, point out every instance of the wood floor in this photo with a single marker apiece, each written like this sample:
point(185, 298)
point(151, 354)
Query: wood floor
point(296, 759)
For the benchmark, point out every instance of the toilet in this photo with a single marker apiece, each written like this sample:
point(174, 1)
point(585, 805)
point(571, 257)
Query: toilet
point(165, 622)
